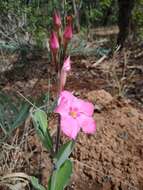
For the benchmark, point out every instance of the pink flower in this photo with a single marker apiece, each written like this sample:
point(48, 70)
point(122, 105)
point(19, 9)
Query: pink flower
point(57, 20)
point(64, 71)
point(75, 114)
point(68, 32)
point(54, 43)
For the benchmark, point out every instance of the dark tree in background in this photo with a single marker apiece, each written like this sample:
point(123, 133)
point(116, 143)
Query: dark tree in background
point(124, 19)
point(108, 12)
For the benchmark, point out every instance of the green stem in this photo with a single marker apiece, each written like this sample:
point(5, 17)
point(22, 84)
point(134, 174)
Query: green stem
point(59, 66)
point(58, 135)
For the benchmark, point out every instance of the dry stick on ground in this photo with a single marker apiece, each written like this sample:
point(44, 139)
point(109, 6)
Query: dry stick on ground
point(104, 57)
point(11, 157)
point(136, 67)
point(8, 180)
point(99, 61)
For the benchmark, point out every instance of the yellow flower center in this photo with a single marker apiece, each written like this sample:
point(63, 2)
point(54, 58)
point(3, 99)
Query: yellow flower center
point(73, 114)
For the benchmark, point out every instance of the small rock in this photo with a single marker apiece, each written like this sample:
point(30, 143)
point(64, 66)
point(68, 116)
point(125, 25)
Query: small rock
point(98, 108)
point(99, 97)
point(123, 135)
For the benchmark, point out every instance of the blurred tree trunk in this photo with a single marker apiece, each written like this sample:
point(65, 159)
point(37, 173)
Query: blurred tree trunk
point(124, 19)
point(108, 13)
point(76, 13)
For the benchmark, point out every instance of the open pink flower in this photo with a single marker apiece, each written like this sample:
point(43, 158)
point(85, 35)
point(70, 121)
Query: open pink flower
point(75, 114)
point(54, 43)
point(57, 20)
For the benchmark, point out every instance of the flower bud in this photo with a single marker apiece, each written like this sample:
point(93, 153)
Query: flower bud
point(54, 43)
point(65, 69)
point(68, 33)
point(57, 20)
point(67, 65)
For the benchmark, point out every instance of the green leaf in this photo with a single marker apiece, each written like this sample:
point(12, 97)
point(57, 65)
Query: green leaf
point(49, 183)
point(13, 112)
point(61, 176)
point(35, 184)
point(41, 119)
point(40, 123)
point(21, 116)
point(63, 153)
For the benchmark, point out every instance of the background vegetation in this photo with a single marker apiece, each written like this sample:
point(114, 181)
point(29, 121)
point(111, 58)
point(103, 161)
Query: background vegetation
point(26, 22)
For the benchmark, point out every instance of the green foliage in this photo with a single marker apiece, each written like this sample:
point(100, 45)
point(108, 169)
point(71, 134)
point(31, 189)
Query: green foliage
point(138, 18)
point(13, 113)
point(63, 153)
point(19, 19)
point(46, 100)
point(35, 183)
point(95, 13)
point(138, 13)
point(60, 176)
point(58, 180)
point(40, 122)
point(105, 3)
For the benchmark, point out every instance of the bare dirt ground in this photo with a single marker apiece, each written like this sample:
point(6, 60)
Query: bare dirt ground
point(113, 157)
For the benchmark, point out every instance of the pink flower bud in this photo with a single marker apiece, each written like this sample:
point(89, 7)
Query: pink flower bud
point(54, 43)
point(65, 69)
point(67, 65)
point(68, 33)
point(57, 20)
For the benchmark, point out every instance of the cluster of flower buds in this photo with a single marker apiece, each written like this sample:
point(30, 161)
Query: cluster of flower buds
point(55, 39)
point(59, 41)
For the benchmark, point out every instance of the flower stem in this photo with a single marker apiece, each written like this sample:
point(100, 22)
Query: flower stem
point(59, 65)
point(58, 134)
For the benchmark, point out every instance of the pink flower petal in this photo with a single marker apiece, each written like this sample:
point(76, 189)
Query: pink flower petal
point(83, 106)
point(64, 103)
point(67, 94)
point(69, 126)
point(67, 64)
point(87, 124)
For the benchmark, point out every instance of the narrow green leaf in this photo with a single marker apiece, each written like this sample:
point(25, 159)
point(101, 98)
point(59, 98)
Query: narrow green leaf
point(40, 123)
point(21, 116)
point(41, 118)
point(53, 106)
point(63, 153)
point(61, 176)
point(13, 113)
point(49, 184)
point(45, 141)
point(7, 100)
point(35, 183)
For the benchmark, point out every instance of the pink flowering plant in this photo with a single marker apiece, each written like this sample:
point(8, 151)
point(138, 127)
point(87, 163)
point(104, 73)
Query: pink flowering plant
point(74, 114)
